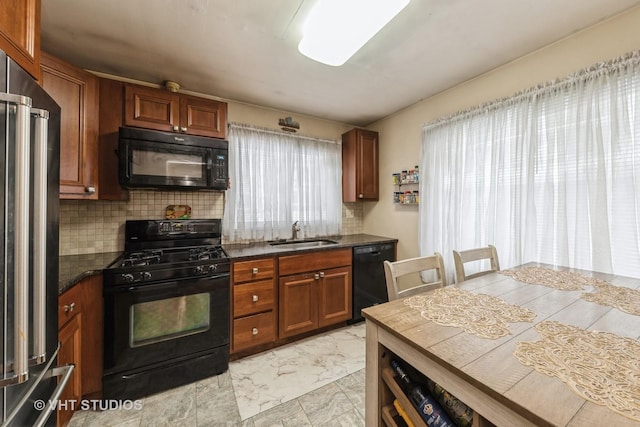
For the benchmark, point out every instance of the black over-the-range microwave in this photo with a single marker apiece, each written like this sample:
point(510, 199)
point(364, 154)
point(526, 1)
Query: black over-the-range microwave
point(149, 158)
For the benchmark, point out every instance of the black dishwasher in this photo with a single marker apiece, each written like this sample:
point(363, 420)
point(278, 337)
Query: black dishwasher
point(369, 285)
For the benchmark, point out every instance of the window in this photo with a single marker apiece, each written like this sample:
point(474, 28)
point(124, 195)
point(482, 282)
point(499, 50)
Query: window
point(277, 179)
point(550, 175)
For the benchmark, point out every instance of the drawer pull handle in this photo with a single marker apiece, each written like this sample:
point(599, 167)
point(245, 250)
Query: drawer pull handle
point(316, 276)
point(70, 307)
point(254, 331)
point(255, 270)
point(183, 129)
point(254, 298)
point(322, 274)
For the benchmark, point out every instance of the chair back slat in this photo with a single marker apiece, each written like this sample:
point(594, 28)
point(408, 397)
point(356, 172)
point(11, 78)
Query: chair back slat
point(462, 257)
point(413, 266)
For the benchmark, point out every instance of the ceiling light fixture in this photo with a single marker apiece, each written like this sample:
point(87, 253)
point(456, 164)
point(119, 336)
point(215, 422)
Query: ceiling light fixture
point(336, 29)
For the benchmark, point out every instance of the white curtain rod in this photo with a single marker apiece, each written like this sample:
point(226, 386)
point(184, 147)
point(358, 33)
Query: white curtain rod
point(629, 60)
point(275, 132)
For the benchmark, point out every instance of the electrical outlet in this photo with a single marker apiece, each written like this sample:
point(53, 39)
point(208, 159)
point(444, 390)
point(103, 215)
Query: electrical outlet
point(348, 213)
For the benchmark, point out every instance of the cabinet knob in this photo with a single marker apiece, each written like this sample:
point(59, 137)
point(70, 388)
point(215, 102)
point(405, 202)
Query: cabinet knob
point(254, 331)
point(254, 270)
point(322, 274)
point(316, 276)
point(254, 298)
point(183, 129)
point(176, 128)
point(90, 189)
point(361, 196)
point(70, 307)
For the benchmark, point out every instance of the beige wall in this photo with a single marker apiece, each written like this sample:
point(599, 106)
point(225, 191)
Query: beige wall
point(400, 134)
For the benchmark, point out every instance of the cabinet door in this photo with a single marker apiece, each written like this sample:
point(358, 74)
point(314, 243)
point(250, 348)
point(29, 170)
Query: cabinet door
point(76, 91)
point(359, 165)
point(203, 117)
point(334, 296)
point(367, 167)
point(254, 269)
point(151, 108)
point(20, 33)
point(92, 336)
point(111, 119)
point(253, 297)
point(252, 331)
point(298, 304)
point(71, 352)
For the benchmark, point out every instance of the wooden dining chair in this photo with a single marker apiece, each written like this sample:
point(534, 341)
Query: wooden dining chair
point(462, 257)
point(404, 278)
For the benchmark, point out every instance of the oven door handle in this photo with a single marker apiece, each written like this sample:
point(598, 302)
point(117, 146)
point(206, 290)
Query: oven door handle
point(177, 288)
point(151, 288)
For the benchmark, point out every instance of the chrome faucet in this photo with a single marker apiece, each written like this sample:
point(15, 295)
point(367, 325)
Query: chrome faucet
point(294, 231)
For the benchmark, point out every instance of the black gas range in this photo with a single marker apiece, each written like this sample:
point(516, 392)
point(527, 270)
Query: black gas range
point(165, 250)
point(166, 307)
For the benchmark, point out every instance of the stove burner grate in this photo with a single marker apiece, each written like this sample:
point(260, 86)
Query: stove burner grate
point(137, 259)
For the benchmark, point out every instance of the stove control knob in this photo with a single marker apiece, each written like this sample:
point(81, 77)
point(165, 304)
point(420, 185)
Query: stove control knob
point(199, 269)
point(127, 277)
point(213, 268)
point(145, 275)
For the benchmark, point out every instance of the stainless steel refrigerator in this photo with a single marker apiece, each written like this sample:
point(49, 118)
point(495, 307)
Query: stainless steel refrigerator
point(31, 381)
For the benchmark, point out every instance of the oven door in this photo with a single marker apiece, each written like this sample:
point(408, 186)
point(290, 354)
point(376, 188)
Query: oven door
point(164, 322)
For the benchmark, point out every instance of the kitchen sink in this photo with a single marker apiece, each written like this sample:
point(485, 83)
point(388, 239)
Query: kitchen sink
point(299, 244)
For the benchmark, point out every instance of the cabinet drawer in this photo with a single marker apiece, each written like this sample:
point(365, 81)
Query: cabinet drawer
point(253, 330)
point(253, 297)
point(256, 269)
point(314, 261)
point(69, 304)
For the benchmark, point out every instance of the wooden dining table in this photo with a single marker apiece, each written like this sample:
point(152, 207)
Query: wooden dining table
point(484, 372)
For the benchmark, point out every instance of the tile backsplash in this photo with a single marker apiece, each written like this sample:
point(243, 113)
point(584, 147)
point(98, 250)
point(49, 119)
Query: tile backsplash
point(98, 226)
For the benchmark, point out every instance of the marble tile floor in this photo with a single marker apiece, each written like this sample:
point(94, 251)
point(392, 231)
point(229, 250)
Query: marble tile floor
point(318, 381)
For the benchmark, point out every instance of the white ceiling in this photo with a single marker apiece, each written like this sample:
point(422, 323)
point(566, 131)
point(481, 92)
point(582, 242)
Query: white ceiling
point(246, 50)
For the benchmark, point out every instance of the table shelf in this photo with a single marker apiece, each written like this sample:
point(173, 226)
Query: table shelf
point(389, 379)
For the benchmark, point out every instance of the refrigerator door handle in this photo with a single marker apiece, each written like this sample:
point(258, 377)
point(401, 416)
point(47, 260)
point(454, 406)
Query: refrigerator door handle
point(47, 407)
point(40, 236)
point(52, 403)
point(20, 367)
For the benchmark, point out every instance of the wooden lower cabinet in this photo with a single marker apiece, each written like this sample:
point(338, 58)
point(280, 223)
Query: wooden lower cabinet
point(253, 299)
point(314, 299)
point(252, 331)
point(70, 339)
point(80, 323)
point(298, 304)
point(334, 296)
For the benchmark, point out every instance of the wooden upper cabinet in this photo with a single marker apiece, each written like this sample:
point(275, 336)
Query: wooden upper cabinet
point(20, 33)
point(203, 117)
point(360, 165)
point(174, 112)
point(151, 108)
point(76, 91)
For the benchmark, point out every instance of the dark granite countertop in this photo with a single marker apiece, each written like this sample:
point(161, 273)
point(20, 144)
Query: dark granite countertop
point(74, 268)
point(249, 250)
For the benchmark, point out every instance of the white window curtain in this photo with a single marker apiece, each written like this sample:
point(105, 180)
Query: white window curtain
point(549, 175)
point(277, 179)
